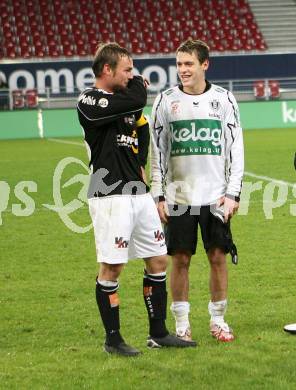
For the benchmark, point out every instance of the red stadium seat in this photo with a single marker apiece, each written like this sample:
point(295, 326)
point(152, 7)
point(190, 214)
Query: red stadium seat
point(171, 21)
point(274, 89)
point(81, 51)
point(54, 51)
point(40, 52)
point(26, 51)
point(12, 50)
point(18, 99)
point(31, 98)
point(259, 89)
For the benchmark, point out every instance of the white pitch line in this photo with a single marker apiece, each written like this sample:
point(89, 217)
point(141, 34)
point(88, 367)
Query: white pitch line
point(251, 174)
point(267, 178)
point(61, 141)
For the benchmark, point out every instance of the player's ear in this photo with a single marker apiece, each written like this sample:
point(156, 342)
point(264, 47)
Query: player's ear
point(107, 69)
point(205, 65)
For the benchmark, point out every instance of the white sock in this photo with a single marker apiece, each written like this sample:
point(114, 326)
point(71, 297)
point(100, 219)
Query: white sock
point(217, 311)
point(180, 310)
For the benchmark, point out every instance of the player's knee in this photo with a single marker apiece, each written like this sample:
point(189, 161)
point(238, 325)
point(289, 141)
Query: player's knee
point(181, 260)
point(156, 264)
point(217, 257)
point(110, 271)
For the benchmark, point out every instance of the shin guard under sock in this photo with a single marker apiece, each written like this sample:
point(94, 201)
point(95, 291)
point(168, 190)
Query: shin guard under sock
point(155, 297)
point(217, 311)
point(108, 304)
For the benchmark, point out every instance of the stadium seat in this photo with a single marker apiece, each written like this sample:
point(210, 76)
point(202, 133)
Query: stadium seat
point(26, 51)
point(54, 51)
point(274, 89)
point(82, 51)
point(40, 52)
point(12, 51)
point(18, 99)
point(172, 21)
point(31, 98)
point(259, 89)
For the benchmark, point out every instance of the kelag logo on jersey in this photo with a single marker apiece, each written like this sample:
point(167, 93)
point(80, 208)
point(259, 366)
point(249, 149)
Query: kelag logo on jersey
point(192, 137)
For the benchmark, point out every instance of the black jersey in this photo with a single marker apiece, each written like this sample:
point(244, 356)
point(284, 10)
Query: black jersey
point(117, 137)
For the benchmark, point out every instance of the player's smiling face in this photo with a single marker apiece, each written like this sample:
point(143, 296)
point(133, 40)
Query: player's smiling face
point(123, 73)
point(191, 72)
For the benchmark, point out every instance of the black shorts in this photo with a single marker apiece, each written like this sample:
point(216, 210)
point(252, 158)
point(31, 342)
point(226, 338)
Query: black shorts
point(181, 230)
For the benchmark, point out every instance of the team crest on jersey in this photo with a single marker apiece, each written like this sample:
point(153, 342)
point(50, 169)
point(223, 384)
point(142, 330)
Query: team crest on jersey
point(215, 105)
point(131, 120)
point(175, 107)
point(103, 102)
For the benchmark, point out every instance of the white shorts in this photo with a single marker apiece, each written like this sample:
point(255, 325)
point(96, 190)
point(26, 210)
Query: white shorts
point(126, 227)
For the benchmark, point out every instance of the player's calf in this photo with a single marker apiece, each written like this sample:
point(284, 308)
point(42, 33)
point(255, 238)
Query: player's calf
point(155, 297)
point(108, 304)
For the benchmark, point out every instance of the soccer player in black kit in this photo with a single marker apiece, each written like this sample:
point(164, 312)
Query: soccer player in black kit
point(125, 219)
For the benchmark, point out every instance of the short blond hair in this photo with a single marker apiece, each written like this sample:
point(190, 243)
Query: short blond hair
point(108, 53)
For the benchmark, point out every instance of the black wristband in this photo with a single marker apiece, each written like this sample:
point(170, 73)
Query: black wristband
point(235, 198)
point(160, 198)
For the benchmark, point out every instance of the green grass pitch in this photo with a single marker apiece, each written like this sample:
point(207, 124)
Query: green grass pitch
point(50, 333)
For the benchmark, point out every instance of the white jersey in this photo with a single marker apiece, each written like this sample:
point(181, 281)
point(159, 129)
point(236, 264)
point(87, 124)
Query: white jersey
point(197, 146)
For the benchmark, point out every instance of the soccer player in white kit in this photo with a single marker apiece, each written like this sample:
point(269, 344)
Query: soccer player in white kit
point(197, 168)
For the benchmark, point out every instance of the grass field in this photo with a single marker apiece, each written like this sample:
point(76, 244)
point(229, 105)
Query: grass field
point(50, 333)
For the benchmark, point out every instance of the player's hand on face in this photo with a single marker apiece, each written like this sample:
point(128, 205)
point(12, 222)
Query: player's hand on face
point(230, 207)
point(145, 81)
point(162, 211)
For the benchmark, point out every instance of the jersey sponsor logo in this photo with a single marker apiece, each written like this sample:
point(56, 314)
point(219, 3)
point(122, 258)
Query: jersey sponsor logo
point(121, 243)
point(214, 115)
point(103, 102)
point(89, 100)
point(196, 137)
point(158, 235)
point(129, 141)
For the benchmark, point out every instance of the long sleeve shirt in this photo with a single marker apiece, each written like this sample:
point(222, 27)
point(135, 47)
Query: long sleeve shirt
point(116, 137)
point(197, 146)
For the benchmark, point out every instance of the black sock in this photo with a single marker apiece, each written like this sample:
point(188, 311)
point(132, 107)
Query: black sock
point(108, 304)
point(155, 297)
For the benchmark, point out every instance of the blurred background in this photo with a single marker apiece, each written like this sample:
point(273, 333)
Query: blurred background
point(46, 49)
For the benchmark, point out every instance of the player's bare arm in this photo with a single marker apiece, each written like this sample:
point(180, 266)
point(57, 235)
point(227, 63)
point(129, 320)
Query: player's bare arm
point(162, 211)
